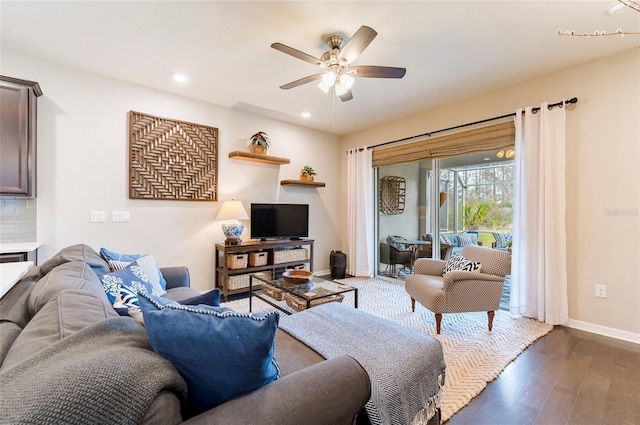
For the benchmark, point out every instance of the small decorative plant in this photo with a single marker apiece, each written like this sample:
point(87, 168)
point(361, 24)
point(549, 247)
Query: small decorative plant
point(307, 173)
point(260, 142)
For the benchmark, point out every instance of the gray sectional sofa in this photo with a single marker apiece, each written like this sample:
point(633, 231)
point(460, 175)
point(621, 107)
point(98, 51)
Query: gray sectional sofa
point(67, 357)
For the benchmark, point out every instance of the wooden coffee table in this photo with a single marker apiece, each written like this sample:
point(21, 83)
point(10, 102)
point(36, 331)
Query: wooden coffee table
point(293, 298)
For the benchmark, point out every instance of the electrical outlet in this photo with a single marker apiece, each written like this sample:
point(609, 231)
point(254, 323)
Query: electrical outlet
point(601, 291)
point(98, 217)
point(120, 216)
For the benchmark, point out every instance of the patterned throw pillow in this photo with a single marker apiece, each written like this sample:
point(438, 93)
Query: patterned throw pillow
point(502, 239)
point(220, 354)
point(468, 239)
point(445, 239)
point(459, 263)
point(397, 242)
point(123, 286)
point(148, 264)
point(109, 255)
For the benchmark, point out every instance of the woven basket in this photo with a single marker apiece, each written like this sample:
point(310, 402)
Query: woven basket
point(257, 259)
point(237, 261)
point(272, 292)
point(289, 255)
point(299, 304)
point(242, 280)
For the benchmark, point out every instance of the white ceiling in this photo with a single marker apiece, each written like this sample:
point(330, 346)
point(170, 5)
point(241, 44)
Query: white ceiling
point(452, 49)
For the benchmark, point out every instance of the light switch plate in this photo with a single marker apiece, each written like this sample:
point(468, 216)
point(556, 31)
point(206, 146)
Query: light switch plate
point(120, 217)
point(98, 217)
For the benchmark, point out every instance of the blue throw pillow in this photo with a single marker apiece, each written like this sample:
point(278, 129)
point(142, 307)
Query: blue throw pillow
point(123, 286)
point(109, 255)
point(220, 354)
point(211, 298)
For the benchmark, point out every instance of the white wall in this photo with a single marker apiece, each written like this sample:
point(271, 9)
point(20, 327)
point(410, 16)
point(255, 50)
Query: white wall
point(602, 174)
point(83, 166)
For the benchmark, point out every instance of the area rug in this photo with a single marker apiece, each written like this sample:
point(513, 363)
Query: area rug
point(474, 356)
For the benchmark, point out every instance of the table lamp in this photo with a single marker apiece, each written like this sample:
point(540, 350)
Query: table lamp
point(231, 212)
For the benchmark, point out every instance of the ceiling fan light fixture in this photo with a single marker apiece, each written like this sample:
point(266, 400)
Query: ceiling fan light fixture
point(329, 78)
point(322, 86)
point(510, 153)
point(341, 90)
point(615, 8)
point(500, 154)
point(347, 81)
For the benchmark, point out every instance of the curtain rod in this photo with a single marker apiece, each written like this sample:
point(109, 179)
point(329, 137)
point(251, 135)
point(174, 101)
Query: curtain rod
point(429, 134)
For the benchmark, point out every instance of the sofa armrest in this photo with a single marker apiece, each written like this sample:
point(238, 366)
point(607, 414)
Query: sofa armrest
point(328, 393)
point(176, 277)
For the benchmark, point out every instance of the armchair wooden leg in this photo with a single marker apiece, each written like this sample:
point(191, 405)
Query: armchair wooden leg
point(438, 321)
point(490, 315)
point(413, 305)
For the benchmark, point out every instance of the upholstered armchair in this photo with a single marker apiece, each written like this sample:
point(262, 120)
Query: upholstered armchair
point(460, 291)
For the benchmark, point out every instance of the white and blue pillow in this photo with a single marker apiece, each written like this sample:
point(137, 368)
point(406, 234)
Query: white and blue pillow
point(150, 268)
point(123, 286)
point(503, 239)
point(109, 255)
point(459, 263)
point(468, 239)
point(220, 354)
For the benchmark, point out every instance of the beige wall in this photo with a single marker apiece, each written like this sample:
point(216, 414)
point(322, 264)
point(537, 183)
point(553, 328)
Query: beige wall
point(602, 174)
point(83, 166)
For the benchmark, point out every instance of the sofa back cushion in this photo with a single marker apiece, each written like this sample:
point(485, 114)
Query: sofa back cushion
point(69, 275)
point(66, 312)
point(79, 252)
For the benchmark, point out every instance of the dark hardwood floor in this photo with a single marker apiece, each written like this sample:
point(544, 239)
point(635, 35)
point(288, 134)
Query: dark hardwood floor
point(566, 377)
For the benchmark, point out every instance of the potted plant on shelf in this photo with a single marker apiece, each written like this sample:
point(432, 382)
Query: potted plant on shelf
point(307, 173)
point(260, 143)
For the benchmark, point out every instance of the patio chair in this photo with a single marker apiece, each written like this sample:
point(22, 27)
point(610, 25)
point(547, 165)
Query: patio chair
point(460, 291)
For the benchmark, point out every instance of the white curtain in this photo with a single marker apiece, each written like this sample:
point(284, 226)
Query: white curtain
point(360, 212)
point(539, 271)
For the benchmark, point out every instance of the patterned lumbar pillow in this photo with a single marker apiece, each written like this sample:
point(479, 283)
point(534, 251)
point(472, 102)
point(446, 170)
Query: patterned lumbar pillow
point(445, 239)
point(459, 263)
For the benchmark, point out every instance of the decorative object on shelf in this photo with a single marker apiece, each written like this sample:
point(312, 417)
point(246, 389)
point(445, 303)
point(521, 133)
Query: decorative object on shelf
point(260, 143)
point(392, 195)
point(307, 173)
point(171, 159)
point(232, 211)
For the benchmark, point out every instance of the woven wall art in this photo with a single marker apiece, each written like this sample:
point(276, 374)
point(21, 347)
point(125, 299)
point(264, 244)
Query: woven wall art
point(392, 195)
point(172, 160)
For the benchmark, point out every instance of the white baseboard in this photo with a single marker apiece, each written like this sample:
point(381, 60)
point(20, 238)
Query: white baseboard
point(605, 331)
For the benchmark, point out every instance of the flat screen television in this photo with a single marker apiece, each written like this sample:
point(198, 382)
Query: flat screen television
point(279, 221)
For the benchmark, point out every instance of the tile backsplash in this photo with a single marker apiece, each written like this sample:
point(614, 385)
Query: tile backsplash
point(18, 220)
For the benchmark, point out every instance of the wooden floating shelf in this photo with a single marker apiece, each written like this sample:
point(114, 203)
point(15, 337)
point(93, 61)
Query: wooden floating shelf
point(301, 183)
point(254, 157)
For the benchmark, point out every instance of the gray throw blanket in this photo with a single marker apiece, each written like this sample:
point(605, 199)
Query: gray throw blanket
point(406, 367)
point(105, 373)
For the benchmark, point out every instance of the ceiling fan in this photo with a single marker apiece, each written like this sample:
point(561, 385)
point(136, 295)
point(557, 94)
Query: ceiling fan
point(336, 62)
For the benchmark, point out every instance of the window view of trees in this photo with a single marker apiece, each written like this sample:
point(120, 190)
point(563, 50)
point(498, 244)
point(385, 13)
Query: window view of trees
point(478, 198)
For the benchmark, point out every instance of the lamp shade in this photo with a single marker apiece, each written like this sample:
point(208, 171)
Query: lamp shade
point(232, 210)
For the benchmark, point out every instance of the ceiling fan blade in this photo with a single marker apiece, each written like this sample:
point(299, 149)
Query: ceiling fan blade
point(297, 54)
point(347, 96)
point(301, 81)
point(357, 43)
point(377, 71)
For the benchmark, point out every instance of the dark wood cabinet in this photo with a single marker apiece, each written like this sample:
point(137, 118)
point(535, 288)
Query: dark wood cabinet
point(18, 124)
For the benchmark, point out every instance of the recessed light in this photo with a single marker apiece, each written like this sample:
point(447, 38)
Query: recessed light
point(305, 114)
point(615, 8)
point(179, 77)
